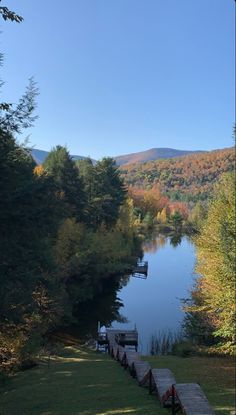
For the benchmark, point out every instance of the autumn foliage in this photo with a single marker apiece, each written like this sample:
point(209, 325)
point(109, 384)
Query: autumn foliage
point(213, 299)
point(184, 178)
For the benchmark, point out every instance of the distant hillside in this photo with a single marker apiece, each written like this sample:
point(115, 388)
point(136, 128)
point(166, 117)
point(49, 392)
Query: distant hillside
point(185, 178)
point(40, 155)
point(152, 154)
point(141, 157)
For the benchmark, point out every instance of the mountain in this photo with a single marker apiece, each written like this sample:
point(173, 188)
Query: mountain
point(40, 155)
point(152, 154)
point(183, 178)
point(141, 157)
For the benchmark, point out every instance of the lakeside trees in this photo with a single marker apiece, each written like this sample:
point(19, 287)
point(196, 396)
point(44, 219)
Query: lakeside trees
point(152, 207)
point(67, 227)
point(60, 237)
point(25, 262)
point(53, 255)
point(213, 299)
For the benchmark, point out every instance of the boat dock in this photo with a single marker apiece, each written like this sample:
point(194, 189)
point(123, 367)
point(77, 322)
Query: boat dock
point(140, 270)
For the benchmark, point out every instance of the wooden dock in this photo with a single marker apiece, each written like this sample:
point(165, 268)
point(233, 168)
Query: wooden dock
point(123, 337)
point(140, 270)
point(185, 397)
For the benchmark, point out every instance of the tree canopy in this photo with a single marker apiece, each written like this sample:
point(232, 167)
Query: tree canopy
point(9, 14)
point(214, 295)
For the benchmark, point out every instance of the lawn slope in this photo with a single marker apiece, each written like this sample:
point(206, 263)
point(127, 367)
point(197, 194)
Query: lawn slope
point(78, 382)
point(215, 375)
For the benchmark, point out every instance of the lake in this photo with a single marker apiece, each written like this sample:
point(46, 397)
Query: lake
point(153, 304)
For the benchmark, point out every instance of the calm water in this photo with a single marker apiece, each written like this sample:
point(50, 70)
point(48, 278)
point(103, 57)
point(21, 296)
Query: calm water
point(153, 304)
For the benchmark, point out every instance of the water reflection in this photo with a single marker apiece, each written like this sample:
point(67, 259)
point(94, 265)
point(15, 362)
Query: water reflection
point(155, 243)
point(152, 304)
point(175, 240)
point(105, 308)
point(159, 241)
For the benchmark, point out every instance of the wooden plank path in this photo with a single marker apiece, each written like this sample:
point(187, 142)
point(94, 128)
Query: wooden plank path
point(141, 371)
point(130, 358)
point(120, 354)
point(191, 399)
point(187, 397)
point(161, 380)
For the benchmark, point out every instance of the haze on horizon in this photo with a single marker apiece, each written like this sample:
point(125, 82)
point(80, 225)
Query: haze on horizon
point(124, 76)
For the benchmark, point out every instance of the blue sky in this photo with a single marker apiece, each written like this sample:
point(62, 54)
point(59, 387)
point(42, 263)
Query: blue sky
point(120, 76)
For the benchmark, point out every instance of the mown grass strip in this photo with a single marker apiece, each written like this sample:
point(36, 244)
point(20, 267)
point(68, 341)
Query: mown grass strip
point(77, 381)
point(215, 375)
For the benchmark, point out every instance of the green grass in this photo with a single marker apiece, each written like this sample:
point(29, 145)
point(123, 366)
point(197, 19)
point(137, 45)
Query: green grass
point(78, 381)
point(216, 376)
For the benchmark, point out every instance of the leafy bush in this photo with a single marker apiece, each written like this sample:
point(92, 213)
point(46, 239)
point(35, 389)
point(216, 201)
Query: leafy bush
point(183, 349)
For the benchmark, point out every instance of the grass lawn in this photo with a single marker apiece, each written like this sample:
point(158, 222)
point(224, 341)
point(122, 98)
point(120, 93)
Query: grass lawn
point(216, 376)
point(78, 381)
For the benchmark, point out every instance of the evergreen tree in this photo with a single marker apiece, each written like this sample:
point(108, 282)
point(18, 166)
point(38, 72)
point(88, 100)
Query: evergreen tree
point(70, 191)
point(105, 191)
point(9, 14)
point(109, 192)
point(14, 119)
point(27, 225)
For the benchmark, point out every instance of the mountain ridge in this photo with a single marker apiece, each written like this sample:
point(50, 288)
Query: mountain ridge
point(152, 154)
point(139, 157)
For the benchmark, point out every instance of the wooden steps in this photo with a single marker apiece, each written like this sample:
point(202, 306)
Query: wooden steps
point(191, 399)
point(114, 351)
point(161, 381)
point(120, 353)
point(131, 357)
point(141, 372)
point(187, 397)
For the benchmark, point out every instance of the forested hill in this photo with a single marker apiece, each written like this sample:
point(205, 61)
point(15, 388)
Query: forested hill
point(190, 177)
point(141, 157)
point(152, 154)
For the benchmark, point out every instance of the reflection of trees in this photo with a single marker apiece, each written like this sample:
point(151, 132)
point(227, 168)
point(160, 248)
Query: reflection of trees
point(153, 245)
point(104, 308)
point(160, 241)
point(175, 239)
point(124, 281)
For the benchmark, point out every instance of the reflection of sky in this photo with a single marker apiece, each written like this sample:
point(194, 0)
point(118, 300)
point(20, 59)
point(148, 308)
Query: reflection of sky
point(154, 304)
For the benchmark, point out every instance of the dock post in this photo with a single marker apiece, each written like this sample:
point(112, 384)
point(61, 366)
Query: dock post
point(150, 382)
point(173, 399)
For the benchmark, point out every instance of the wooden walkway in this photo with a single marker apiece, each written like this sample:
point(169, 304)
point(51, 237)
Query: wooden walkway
point(185, 397)
point(161, 380)
point(191, 399)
